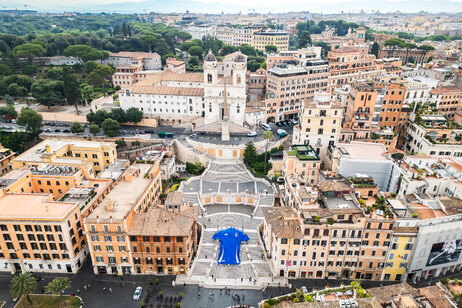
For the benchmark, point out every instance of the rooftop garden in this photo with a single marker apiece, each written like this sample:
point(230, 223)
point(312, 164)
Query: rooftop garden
point(303, 152)
point(362, 182)
point(378, 207)
point(327, 294)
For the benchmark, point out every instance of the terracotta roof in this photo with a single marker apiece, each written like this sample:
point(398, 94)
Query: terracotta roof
point(162, 90)
point(334, 185)
point(386, 293)
point(162, 222)
point(174, 198)
point(452, 205)
point(171, 76)
point(175, 62)
point(344, 50)
point(284, 222)
point(446, 89)
point(405, 230)
point(133, 54)
point(436, 297)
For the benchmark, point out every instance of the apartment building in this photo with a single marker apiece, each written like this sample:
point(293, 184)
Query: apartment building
point(143, 60)
point(395, 114)
point(164, 240)
point(89, 156)
point(127, 75)
point(287, 87)
point(398, 256)
point(433, 135)
point(360, 106)
point(320, 124)
point(348, 64)
point(236, 35)
point(419, 55)
point(302, 162)
point(282, 238)
point(107, 227)
point(448, 99)
point(6, 156)
point(42, 210)
point(280, 39)
point(225, 34)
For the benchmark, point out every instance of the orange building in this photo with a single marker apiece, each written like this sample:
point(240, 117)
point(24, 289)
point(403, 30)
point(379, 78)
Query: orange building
point(41, 219)
point(164, 240)
point(107, 227)
point(348, 64)
point(6, 156)
point(359, 111)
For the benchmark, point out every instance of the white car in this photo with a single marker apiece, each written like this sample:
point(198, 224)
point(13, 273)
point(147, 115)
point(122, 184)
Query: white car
point(304, 289)
point(137, 294)
point(281, 131)
point(252, 134)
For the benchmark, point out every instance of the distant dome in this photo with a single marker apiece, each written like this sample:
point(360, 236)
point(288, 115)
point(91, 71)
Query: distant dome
point(210, 57)
point(239, 58)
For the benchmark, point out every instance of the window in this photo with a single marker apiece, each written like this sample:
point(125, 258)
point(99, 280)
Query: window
point(283, 241)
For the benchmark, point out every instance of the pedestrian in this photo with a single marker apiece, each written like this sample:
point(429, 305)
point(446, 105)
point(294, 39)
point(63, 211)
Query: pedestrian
point(85, 287)
point(212, 276)
point(104, 289)
point(210, 295)
point(78, 291)
point(243, 297)
point(220, 291)
point(43, 291)
point(215, 279)
point(250, 279)
point(110, 290)
point(89, 285)
point(205, 256)
point(199, 294)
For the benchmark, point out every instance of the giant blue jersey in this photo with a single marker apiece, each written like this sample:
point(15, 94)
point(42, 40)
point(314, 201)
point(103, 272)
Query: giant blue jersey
point(230, 241)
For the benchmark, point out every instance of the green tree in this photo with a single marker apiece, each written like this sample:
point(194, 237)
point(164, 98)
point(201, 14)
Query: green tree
point(267, 136)
point(134, 115)
point(23, 285)
point(9, 100)
point(30, 119)
point(100, 75)
point(304, 39)
point(77, 128)
point(48, 92)
point(196, 51)
point(29, 51)
point(271, 49)
point(148, 42)
point(5, 70)
point(29, 70)
point(85, 53)
point(186, 46)
point(227, 49)
point(250, 153)
point(375, 49)
point(58, 285)
point(110, 127)
point(394, 43)
point(72, 91)
point(16, 90)
point(94, 129)
point(90, 66)
point(119, 115)
point(87, 92)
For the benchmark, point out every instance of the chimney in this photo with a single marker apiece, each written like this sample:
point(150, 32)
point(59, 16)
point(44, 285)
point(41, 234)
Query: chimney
point(48, 148)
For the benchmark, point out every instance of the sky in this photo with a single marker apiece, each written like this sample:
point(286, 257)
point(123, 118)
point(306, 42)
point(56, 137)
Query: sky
point(234, 6)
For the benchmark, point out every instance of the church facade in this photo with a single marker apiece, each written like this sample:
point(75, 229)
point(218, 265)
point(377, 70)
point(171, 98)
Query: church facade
point(178, 98)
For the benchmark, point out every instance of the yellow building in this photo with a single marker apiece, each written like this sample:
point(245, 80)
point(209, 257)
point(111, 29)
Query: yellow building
point(92, 157)
point(399, 253)
point(279, 39)
point(6, 155)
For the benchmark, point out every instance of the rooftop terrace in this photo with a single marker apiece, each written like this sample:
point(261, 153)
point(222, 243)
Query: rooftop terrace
point(303, 152)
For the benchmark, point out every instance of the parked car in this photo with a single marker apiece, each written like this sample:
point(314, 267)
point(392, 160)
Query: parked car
point(281, 131)
point(16, 103)
point(265, 126)
point(304, 289)
point(279, 124)
point(252, 134)
point(37, 104)
point(287, 122)
point(13, 121)
point(57, 130)
point(66, 130)
point(294, 121)
point(193, 136)
point(149, 131)
point(137, 294)
point(47, 130)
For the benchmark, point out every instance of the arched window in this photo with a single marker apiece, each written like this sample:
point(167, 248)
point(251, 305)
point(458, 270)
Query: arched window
point(238, 79)
point(209, 78)
point(127, 92)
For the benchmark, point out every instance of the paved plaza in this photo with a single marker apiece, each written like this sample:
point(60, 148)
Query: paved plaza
point(230, 177)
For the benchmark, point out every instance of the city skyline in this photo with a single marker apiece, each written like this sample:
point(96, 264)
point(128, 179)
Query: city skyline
point(232, 7)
